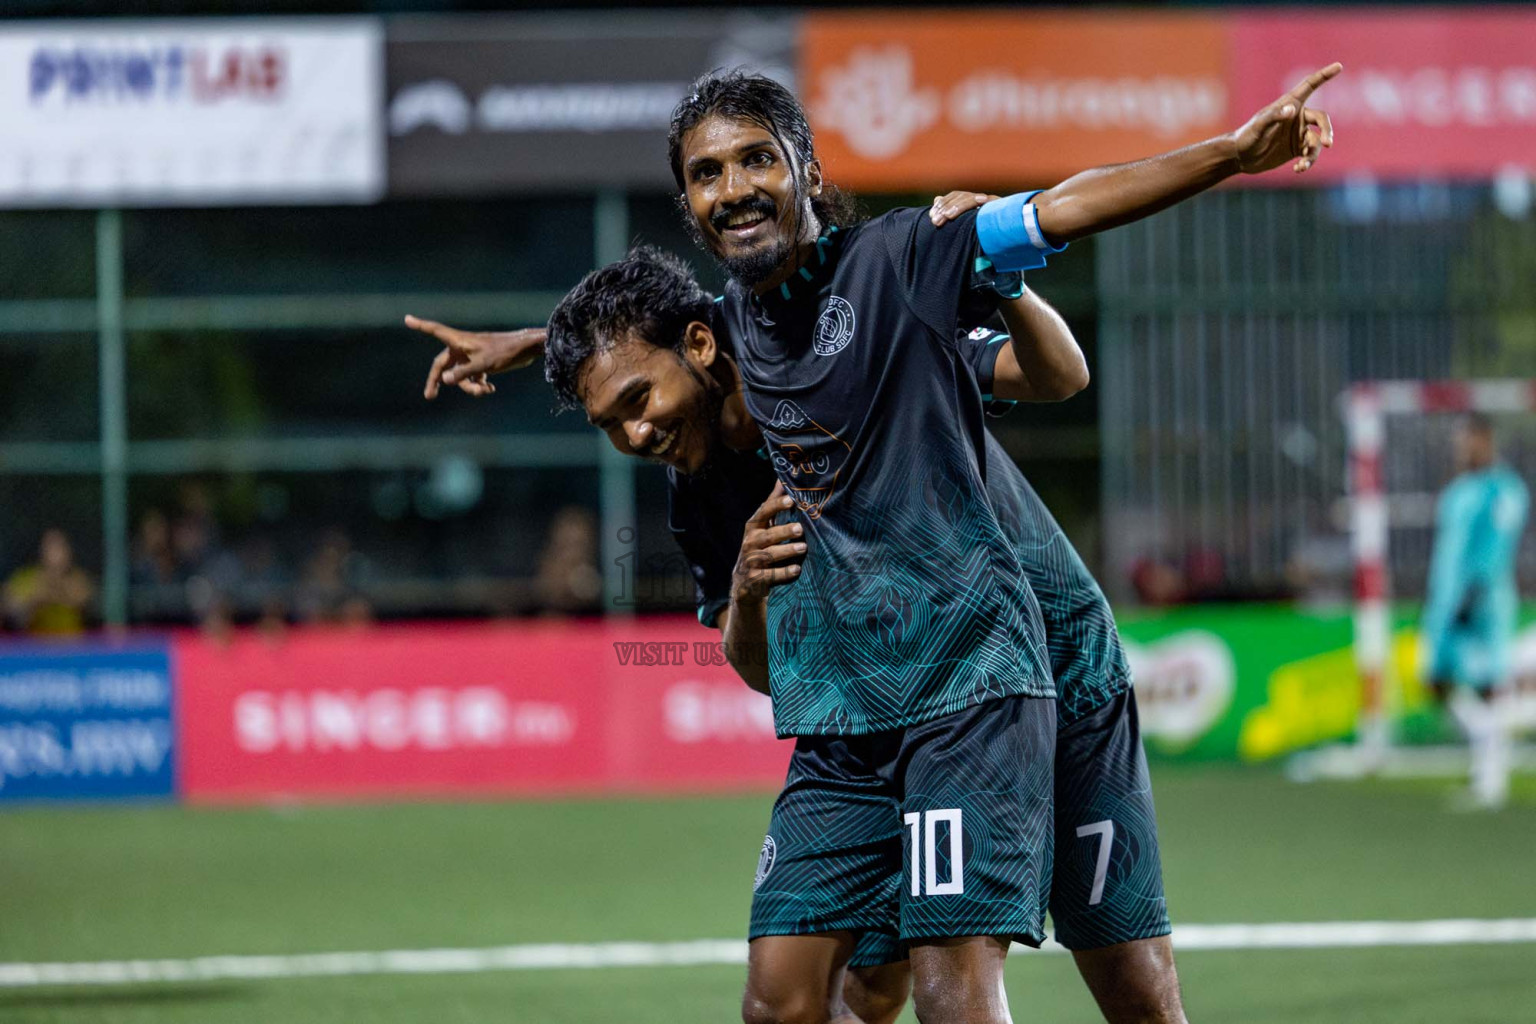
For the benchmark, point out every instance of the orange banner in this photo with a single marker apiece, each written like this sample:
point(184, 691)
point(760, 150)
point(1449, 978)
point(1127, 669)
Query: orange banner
point(964, 99)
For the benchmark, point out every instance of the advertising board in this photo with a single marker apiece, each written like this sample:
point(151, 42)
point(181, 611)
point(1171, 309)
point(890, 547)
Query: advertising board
point(89, 722)
point(191, 112)
point(493, 105)
point(464, 709)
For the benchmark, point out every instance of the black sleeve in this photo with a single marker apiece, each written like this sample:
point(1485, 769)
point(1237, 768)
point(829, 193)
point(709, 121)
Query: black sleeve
point(709, 549)
point(938, 270)
point(980, 349)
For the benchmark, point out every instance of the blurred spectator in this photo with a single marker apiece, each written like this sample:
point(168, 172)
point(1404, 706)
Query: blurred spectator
point(195, 534)
point(567, 580)
point(1157, 583)
point(265, 584)
point(157, 590)
point(1205, 574)
point(330, 586)
point(52, 597)
point(154, 563)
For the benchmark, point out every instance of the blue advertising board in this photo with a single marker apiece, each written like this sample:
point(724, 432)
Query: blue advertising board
point(89, 722)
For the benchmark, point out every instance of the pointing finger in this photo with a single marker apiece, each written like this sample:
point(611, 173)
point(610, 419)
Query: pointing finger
point(431, 327)
point(1307, 86)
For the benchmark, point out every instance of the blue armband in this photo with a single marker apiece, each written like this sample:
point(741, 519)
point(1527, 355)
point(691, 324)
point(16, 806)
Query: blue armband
point(1009, 232)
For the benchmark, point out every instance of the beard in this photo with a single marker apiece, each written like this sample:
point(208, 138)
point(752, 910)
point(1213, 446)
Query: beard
point(750, 268)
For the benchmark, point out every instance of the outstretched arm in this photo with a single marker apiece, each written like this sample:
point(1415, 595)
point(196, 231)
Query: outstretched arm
point(1287, 130)
point(469, 358)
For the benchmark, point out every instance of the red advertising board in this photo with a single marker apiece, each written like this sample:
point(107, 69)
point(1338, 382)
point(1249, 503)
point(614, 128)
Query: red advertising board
point(1424, 91)
point(466, 709)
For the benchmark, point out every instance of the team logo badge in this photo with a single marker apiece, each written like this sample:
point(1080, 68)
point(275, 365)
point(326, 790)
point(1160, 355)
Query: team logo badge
point(834, 328)
point(765, 861)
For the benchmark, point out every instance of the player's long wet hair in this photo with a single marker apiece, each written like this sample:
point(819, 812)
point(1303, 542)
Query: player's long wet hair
point(743, 96)
point(649, 295)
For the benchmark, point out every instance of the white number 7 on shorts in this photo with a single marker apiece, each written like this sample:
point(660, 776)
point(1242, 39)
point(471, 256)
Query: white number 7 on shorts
point(930, 822)
point(1106, 831)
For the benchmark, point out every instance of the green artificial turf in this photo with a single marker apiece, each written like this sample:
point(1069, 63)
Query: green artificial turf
point(93, 883)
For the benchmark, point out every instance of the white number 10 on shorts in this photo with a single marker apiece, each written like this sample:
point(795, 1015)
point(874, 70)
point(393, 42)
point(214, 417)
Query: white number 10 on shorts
point(926, 825)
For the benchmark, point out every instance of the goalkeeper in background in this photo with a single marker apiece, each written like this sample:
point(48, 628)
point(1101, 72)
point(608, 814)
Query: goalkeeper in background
point(1469, 612)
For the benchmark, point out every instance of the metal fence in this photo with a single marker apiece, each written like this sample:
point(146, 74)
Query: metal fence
point(1229, 327)
point(127, 307)
point(1226, 330)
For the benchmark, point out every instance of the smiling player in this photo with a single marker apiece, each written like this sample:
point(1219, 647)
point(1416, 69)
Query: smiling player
point(633, 346)
point(907, 659)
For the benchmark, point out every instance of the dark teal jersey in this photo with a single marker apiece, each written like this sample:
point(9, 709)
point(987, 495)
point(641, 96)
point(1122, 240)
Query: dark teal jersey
point(928, 831)
point(912, 604)
point(709, 511)
point(1087, 660)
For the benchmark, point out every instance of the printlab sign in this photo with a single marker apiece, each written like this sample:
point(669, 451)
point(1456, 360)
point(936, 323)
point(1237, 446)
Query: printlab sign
point(204, 112)
point(85, 723)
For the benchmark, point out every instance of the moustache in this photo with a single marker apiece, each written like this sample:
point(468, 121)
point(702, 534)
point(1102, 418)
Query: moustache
point(755, 205)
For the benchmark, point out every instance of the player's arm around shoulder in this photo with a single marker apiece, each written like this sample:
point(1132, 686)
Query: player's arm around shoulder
point(1041, 361)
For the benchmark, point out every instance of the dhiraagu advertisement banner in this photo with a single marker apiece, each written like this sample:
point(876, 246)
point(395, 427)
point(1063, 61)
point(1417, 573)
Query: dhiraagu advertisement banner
point(1259, 681)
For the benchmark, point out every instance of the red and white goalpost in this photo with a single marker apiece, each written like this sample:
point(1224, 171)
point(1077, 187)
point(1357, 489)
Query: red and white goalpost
point(1366, 407)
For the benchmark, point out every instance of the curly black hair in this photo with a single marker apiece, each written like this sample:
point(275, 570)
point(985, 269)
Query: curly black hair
point(745, 96)
point(648, 295)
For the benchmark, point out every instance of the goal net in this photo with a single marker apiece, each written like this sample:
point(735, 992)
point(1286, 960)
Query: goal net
point(1401, 454)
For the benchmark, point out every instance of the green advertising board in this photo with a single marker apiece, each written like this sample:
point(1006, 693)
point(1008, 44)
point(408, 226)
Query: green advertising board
point(1255, 682)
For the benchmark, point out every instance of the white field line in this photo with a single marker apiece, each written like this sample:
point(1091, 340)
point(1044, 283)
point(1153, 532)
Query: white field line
point(533, 957)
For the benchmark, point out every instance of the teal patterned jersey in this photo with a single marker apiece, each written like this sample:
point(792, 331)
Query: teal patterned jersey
point(911, 604)
point(1087, 659)
point(708, 512)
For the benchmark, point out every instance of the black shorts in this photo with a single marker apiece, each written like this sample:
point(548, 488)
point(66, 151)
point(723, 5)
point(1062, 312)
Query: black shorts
point(936, 830)
point(1107, 881)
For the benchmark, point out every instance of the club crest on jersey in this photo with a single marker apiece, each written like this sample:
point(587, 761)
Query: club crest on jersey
point(834, 328)
point(765, 861)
